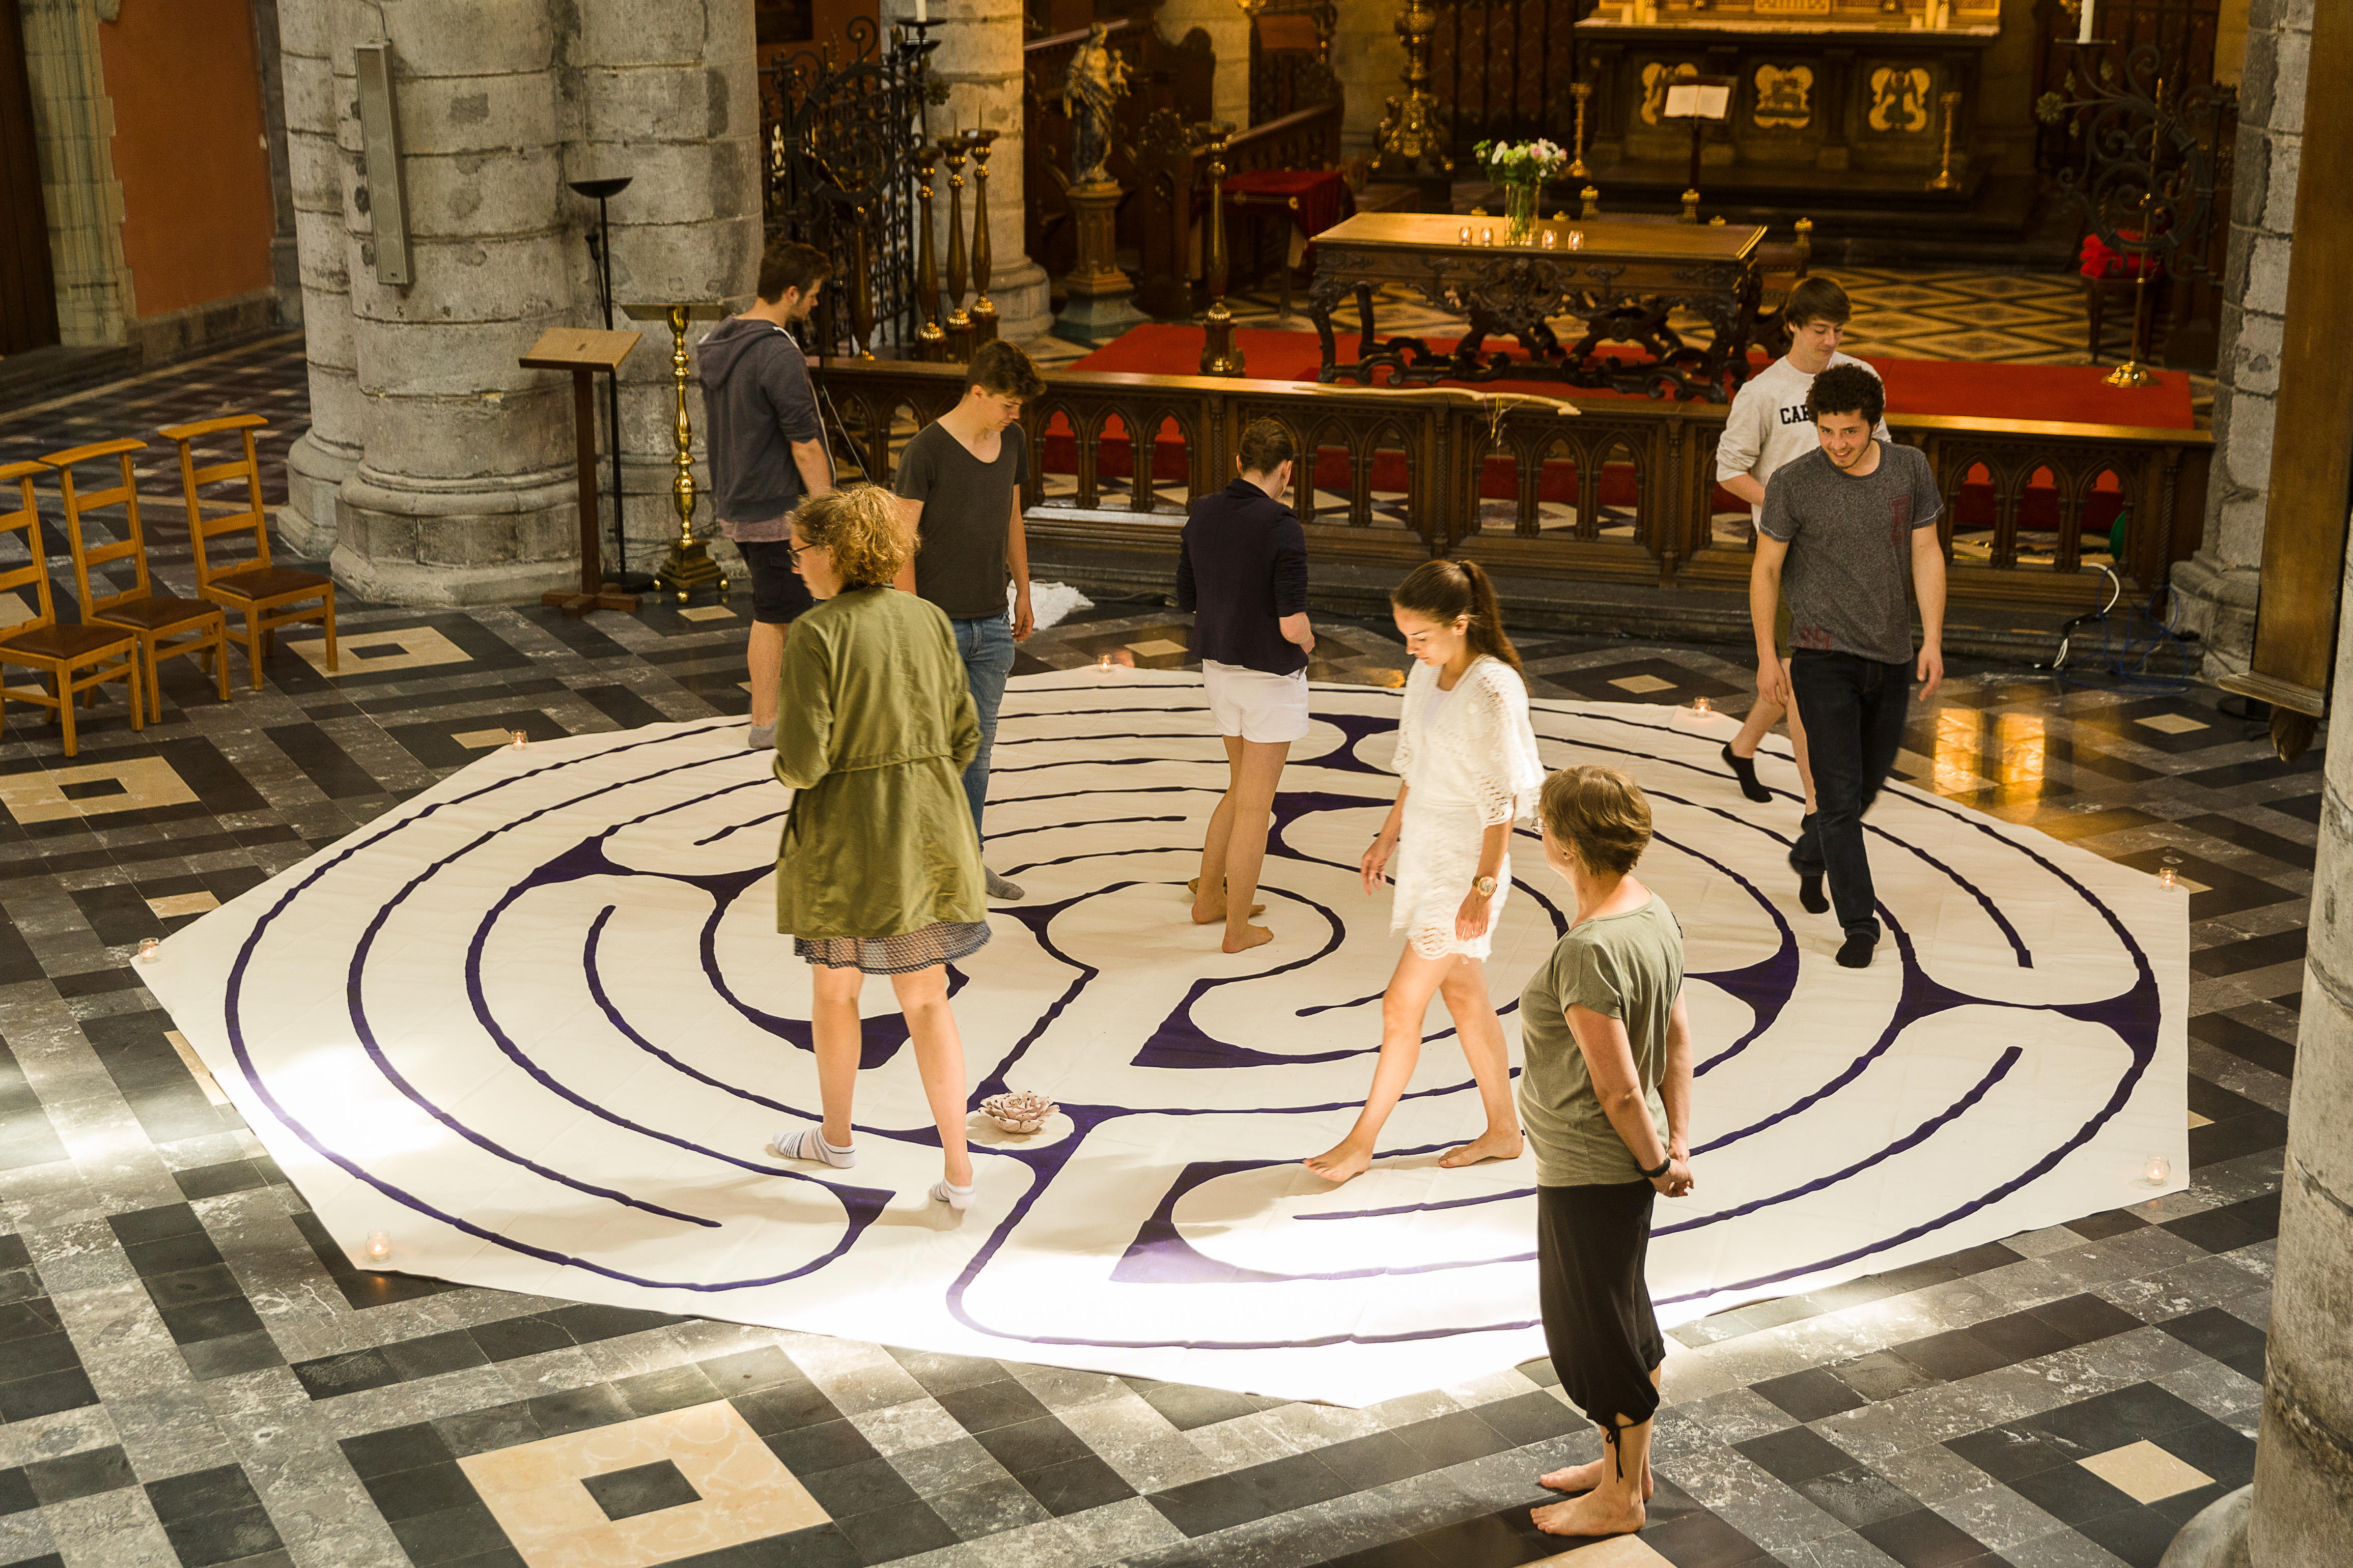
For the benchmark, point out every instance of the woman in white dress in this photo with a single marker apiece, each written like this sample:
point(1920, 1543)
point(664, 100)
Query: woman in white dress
point(1468, 757)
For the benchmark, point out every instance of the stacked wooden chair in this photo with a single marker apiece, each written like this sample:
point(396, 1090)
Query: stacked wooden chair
point(269, 596)
point(76, 659)
point(165, 625)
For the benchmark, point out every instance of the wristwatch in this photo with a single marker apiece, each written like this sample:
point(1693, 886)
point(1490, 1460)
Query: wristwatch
point(1484, 887)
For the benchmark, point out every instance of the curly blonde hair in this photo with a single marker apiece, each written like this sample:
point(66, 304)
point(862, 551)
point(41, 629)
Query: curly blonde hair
point(862, 528)
point(1599, 815)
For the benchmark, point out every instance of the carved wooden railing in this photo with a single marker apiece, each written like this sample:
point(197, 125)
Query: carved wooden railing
point(1173, 169)
point(1624, 490)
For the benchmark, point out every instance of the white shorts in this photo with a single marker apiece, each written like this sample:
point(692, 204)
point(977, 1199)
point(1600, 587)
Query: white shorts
point(1255, 705)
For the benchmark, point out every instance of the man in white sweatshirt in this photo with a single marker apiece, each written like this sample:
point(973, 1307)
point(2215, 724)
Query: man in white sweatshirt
point(1768, 427)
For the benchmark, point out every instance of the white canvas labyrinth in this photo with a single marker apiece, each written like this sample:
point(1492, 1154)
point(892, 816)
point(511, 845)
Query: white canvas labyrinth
point(537, 1024)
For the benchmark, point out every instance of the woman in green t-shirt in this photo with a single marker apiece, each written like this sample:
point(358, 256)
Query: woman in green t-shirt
point(1605, 1094)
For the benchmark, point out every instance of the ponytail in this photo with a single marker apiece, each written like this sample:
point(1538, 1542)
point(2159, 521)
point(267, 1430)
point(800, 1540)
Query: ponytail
point(1446, 591)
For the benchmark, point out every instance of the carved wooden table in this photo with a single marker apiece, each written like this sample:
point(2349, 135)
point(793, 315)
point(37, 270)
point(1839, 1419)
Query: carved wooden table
point(1621, 279)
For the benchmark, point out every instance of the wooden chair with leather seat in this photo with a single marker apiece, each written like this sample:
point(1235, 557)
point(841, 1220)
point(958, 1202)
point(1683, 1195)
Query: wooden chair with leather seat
point(167, 625)
point(270, 596)
point(75, 658)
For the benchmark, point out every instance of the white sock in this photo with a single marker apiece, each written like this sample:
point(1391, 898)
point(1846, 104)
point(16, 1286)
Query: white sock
point(808, 1143)
point(948, 1193)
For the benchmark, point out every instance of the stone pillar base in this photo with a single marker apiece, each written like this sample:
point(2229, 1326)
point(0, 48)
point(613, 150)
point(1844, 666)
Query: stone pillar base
point(315, 470)
point(2217, 602)
point(1021, 294)
point(400, 542)
point(2216, 1537)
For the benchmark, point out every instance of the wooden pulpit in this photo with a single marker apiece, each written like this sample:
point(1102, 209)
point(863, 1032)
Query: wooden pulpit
point(585, 351)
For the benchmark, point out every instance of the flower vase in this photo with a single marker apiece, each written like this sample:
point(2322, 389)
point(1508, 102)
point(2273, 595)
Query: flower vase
point(1520, 213)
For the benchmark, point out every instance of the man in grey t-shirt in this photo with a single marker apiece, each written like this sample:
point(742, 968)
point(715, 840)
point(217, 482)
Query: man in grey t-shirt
point(1842, 526)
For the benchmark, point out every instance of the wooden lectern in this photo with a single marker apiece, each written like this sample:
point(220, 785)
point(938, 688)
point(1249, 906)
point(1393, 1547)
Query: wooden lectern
point(584, 351)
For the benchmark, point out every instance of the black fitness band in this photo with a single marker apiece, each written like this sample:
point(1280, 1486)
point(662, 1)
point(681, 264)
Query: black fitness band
point(1664, 1166)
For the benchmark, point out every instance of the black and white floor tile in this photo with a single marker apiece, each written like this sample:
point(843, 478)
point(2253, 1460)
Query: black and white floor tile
point(196, 1375)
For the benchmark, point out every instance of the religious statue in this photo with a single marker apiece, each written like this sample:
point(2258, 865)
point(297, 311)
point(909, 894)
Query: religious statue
point(1091, 93)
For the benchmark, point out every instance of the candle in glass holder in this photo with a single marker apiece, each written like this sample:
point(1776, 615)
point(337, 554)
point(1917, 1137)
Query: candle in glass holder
point(379, 1246)
point(520, 738)
point(1700, 707)
point(1577, 240)
point(150, 949)
point(1549, 239)
point(1465, 235)
point(1487, 234)
point(2159, 1171)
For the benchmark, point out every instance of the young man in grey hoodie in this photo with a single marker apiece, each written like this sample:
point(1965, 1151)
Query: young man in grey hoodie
point(767, 451)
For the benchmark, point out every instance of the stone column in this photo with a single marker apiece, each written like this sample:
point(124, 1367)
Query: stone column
point(1229, 36)
point(465, 490)
point(1369, 60)
point(2217, 587)
point(83, 198)
point(285, 255)
point(326, 455)
point(979, 57)
point(668, 95)
point(2303, 1505)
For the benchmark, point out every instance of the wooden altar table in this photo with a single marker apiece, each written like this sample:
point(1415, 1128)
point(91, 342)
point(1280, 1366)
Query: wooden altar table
point(1620, 278)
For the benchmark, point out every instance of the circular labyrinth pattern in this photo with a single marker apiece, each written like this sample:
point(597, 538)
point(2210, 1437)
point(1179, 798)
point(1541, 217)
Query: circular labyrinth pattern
point(538, 1024)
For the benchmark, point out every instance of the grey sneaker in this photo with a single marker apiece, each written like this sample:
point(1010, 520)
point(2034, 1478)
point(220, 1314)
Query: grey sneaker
point(760, 738)
point(1003, 891)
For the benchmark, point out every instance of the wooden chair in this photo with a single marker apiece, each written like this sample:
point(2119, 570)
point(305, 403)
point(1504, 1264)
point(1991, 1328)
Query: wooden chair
point(251, 584)
point(167, 625)
point(106, 653)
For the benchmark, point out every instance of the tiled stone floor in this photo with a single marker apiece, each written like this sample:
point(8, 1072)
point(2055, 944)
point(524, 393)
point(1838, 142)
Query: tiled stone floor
point(194, 1373)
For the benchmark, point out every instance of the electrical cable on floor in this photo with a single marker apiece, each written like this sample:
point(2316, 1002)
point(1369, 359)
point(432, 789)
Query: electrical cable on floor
point(2138, 651)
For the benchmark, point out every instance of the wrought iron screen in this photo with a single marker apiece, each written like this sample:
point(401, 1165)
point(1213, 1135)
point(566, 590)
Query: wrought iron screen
point(839, 176)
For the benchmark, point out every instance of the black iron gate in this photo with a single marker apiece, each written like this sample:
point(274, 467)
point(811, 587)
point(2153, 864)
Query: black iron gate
point(839, 175)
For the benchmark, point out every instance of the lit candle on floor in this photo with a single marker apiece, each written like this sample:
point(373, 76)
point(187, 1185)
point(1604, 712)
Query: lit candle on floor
point(2159, 1172)
point(1700, 707)
point(149, 950)
point(379, 1246)
point(519, 739)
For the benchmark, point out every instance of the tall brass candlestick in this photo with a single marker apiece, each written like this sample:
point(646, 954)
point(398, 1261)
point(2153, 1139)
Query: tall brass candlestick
point(1944, 181)
point(1220, 355)
point(2132, 372)
point(689, 565)
point(930, 343)
point(1582, 91)
point(983, 313)
point(1412, 138)
point(951, 148)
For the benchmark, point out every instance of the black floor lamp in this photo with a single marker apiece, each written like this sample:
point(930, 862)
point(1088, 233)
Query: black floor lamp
point(601, 250)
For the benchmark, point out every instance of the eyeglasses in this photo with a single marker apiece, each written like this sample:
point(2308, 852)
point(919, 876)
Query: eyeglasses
point(793, 552)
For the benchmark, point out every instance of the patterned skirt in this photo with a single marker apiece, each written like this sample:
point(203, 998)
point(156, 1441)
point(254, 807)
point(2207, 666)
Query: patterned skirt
point(942, 942)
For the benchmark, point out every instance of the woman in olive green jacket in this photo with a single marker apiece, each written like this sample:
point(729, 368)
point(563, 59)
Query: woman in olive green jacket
point(879, 872)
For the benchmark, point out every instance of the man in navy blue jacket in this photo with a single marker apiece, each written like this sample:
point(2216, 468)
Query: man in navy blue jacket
point(1241, 569)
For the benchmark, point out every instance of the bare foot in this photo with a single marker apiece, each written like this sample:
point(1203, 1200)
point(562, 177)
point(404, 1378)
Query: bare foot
point(1252, 936)
point(1341, 1163)
point(1488, 1145)
point(1595, 1513)
point(1583, 1478)
point(1204, 915)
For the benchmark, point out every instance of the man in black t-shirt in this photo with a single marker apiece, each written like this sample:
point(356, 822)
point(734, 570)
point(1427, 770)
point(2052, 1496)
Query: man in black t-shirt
point(1241, 568)
point(1843, 527)
point(960, 479)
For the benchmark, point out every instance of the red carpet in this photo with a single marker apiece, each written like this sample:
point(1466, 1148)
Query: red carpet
point(2075, 393)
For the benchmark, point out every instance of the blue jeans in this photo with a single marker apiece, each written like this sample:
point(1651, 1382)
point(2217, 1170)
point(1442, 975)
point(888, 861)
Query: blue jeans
point(985, 643)
point(1853, 711)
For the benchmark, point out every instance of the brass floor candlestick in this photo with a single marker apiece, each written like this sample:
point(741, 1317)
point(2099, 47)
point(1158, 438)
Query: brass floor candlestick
point(1220, 355)
point(1412, 138)
point(983, 314)
point(1945, 180)
point(951, 148)
point(689, 565)
point(1582, 91)
point(930, 343)
point(1588, 204)
point(2132, 372)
